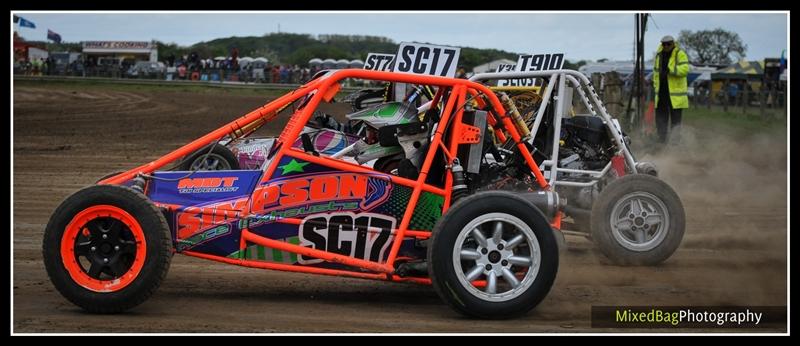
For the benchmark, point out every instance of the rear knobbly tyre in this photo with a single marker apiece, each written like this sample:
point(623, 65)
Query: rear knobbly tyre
point(219, 158)
point(107, 248)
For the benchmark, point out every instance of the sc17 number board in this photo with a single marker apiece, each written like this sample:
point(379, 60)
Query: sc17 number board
point(427, 59)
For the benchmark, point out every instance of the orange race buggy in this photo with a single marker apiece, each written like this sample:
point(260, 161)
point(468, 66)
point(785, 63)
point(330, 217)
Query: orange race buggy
point(461, 204)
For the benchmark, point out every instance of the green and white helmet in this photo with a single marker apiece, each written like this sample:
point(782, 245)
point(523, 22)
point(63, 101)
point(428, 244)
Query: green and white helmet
point(390, 113)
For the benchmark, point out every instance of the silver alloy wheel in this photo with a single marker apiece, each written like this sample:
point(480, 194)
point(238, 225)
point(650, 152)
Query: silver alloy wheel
point(214, 162)
point(639, 221)
point(511, 247)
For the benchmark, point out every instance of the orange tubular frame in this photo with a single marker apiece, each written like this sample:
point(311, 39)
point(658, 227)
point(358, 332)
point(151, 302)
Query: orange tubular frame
point(452, 113)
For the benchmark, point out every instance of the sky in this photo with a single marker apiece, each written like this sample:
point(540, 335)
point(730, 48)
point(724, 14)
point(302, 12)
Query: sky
point(580, 36)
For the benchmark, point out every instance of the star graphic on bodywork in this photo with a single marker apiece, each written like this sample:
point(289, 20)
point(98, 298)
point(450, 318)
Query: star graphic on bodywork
point(293, 166)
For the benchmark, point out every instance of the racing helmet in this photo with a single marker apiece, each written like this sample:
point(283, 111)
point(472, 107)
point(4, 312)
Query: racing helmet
point(389, 113)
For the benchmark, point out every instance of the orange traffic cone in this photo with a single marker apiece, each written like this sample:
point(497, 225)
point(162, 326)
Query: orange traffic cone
point(649, 118)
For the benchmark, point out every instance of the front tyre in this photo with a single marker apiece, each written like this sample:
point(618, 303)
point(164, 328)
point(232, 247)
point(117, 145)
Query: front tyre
point(493, 255)
point(107, 248)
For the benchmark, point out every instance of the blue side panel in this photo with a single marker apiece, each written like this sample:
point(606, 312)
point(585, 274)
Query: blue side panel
point(202, 187)
point(274, 230)
point(169, 215)
point(297, 189)
point(290, 166)
point(219, 240)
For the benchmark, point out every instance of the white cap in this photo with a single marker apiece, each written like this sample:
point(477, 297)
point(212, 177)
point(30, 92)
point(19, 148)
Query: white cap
point(667, 38)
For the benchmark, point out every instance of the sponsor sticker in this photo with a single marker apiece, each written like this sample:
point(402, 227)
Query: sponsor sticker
point(363, 235)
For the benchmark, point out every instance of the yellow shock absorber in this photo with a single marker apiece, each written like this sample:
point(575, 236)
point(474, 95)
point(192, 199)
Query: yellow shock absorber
point(518, 121)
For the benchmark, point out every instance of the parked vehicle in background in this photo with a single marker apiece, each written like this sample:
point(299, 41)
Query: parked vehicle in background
point(258, 68)
point(109, 67)
point(147, 69)
point(63, 62)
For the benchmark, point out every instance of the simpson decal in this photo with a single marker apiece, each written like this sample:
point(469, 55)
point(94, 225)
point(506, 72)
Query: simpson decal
point(312, 190)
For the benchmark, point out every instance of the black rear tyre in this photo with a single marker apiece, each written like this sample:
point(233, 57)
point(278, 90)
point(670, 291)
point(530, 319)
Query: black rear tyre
point(387, 164)
point(221, 158)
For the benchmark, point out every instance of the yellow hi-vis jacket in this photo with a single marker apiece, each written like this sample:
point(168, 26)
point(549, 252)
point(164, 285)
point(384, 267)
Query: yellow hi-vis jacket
point(678, 67)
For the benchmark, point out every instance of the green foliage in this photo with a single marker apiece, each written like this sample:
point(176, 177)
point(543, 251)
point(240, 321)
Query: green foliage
point(734, 122)
point(471, 57)
point(298, 49)
point(167, 49)
point(718, 46)
point(568, 65)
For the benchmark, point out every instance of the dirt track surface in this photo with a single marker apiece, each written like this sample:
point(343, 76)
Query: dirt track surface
point(733, 253)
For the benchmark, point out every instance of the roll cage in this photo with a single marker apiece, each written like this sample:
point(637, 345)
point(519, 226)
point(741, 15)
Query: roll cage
point(452, 93)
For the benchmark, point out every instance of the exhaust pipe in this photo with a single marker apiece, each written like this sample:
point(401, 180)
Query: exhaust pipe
point(547, 201)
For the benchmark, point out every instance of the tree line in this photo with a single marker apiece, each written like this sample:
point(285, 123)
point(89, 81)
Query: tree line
point(298, 49)
point(716, 46)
